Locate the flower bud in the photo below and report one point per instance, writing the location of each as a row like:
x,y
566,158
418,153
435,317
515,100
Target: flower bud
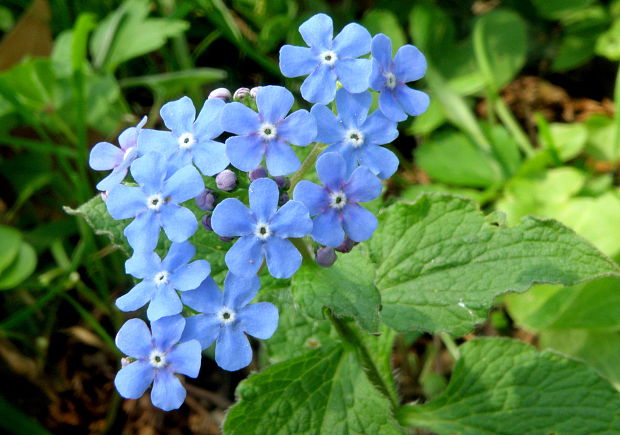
x,y
283,199
206,222
206,200
325,256
254,91
259,172
226,239
282,182
241,93
346,246
221,93
226,180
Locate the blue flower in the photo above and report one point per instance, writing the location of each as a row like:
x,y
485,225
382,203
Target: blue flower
x,y
105,156
190,139
267,132
227,318
161,280
355,136
336,204
328,60
154,203
157,358
389,77
263,231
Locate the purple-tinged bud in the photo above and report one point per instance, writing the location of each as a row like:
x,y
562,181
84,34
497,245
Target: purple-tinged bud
x,y
346,246
282,182
226,239
221,93
259,172
206,222
226,180
283,199
325,256
241,94
206,200
254,91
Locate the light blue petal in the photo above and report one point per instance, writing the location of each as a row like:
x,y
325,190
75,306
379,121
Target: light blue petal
x,y
381,161
231,218
412,101
409,64
274,102
133,380
134,339
129,137
353,108
263,194
283,259
390,107
381,49
314,197
232,349
179,115
352,41
167,392
332,170
259,320
184,184
239,290
377,80
299,128
245,257
143,264
281,159
178,222
363,185
105,156
318,31
291,220
320,85
178,255
297,61
167,331
190,276
245,152
157,141
239,119
150,171
359,223
208,125
207,298
202,328
327,229
347,152
165,303
210,157
378,129
124,202
185,358
143,232
354,74
137,297
329,129
113,179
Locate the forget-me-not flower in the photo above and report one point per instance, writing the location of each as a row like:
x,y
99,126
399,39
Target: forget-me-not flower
x,y
162,279
190,138
154,204
267,133
336,204
263,230
356,136
327,60
226,318
105,156
157,358
389,77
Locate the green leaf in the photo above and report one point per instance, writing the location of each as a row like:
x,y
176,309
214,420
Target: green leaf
x,y
601,135
321,392
441,262
567,139
14,421
384,21
554,9
21,268
347,288
170,84
11,243
505,386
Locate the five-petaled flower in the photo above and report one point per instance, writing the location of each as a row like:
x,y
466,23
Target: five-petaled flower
x,y
226,318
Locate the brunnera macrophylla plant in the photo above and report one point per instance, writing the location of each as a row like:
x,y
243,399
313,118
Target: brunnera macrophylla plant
x,y
435,264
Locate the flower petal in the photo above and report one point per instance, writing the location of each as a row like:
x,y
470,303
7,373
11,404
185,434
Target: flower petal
x,y
232,349
203,328
283,259
358,222
363,185
231,218
378,129
281,159
143,232
332,170
352,41
377,80
178,222
318,31
409,64
210,157
134,339
206,298
390,107
353,108
239,290
208,125
113,179
297,61
137,297
239,119
132,380
185,358
329,128
189,276
105,156
381,49
320,85
299,128
381,161
184,184
167,392
167,331
412,101
143,264
245,152
245,257
178,255
263,195
273,103
291,220
124,201
313,196
150,171
157,141
179,115
354,74
327,229
259,320
165,303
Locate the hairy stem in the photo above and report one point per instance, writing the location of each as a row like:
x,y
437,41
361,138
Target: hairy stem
x,y
297,176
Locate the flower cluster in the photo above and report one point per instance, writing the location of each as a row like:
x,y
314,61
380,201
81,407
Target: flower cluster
x,y
188,161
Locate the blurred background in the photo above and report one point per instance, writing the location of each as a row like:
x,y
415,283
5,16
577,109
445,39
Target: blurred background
x,y
522,120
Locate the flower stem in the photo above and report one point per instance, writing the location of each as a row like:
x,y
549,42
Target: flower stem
x,y
310,159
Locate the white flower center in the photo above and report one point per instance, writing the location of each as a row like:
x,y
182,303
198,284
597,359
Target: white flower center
x,y
355,138
161,278
390,80
337,200
157,359
329,58
186,140
129,153
262,231
154,202
226,315
268,131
